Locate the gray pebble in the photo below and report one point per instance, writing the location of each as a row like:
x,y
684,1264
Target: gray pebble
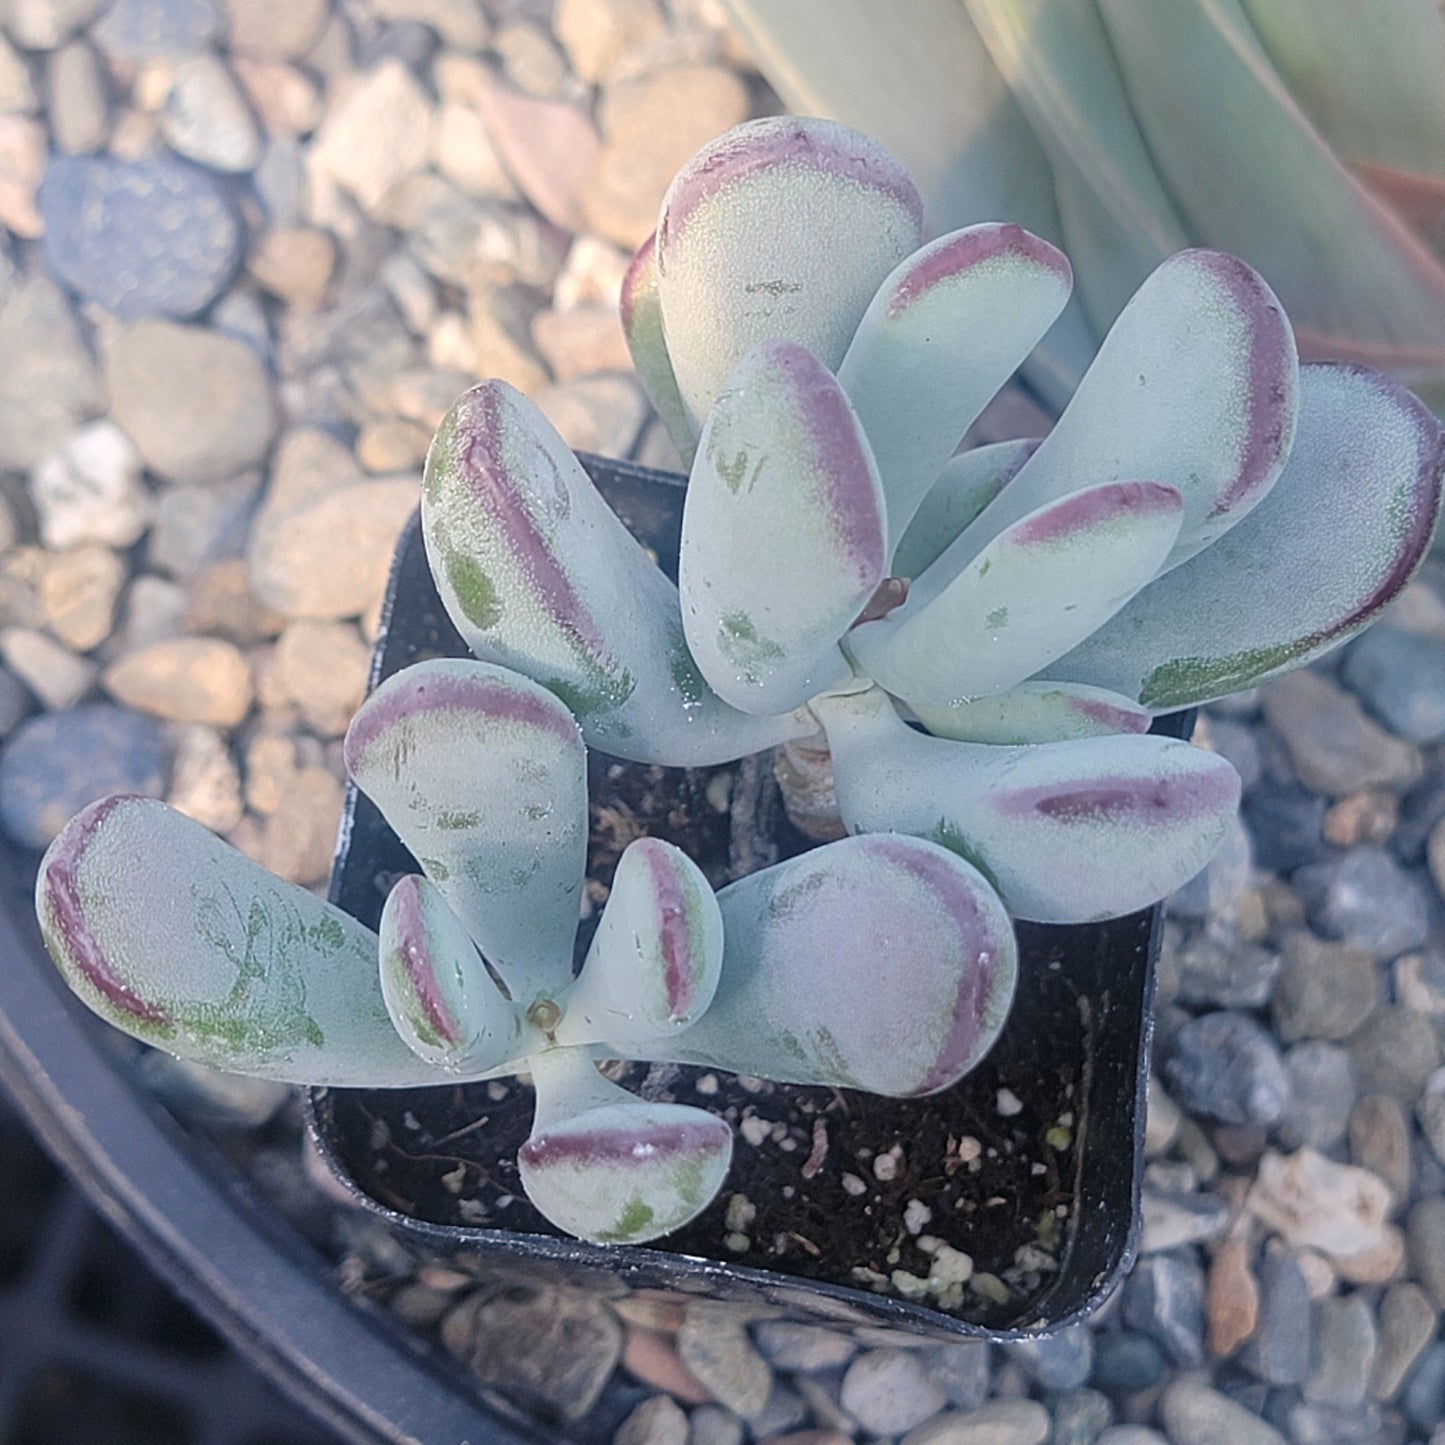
x,y
157,29
1325,990
716,1348
1218,974
197,526
1365,897
1171,1218
1001,1422
1216,890
1311,1424
1345,1344
1286,824
1196,1415
1422,807
961,1371
152,237
1060,1361
1234,739
1080,1417
1226,1067
786,1410
1164,1299
790,1346
78,103
15,702
1423,1398
1279,1353
1407,1325
56,764
1401,677
1431,1112
1395,1053
656,1421
888,1392
1131,1435
1126,1363
1426,1238
713,1425
1321,1095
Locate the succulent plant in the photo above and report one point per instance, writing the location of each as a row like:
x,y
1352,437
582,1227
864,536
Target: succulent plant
x,y
1205,515
1307,136
884,964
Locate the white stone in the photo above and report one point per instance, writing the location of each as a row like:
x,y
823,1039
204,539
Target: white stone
x,y
90,490
206,119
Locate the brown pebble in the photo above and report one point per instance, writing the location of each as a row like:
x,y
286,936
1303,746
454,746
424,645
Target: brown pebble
x,y
1367,816
649,1357
1380,1141
1240,1144
1231,1299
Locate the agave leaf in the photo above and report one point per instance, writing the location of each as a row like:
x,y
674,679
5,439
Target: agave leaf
x,y
1037,712
782,533
919,79
1195,386
781,229
1368,76
964,487
482,774
539,575
655,959
1199,80
884,964
946,330
442,1000
177,939
1036,590
1068,832
642,325
1117,218
1347,523
605,1166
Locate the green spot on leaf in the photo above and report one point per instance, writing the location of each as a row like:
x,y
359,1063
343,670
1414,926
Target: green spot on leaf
x,y
947,834
745,647
631,1222
997,618
1186,680
476,595
451,822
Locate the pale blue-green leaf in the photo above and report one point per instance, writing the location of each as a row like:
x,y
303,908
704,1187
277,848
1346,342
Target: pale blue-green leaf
x,y
654,961
1068,832
1196,386
642,325
780,229
965,486
1118,221
538,574
179,940
444,1003
1346,524
782,533
1252,175
1035,591
1037,712
605,1166
920,80
483,775
884,964
946,330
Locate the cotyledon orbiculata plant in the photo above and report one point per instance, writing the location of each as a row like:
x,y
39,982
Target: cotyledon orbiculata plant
x,y
1205,515
877,963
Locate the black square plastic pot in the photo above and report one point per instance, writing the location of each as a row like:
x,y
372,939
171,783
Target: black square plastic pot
x,y
1063,1090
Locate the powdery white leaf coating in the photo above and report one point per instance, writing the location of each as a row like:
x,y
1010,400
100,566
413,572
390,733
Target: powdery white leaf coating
x,y
1335,541
1196,385
883,963
947,328
483,775
781,228
967,483
1038,712
782,533
972,628
642,325
540,575
1068,832
177,939
442,1000
606,1166
654,961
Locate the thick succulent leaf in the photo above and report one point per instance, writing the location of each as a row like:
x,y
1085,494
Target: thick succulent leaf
x,y
1117,218
1356,281
967,483
884,964
1068,832
538,574
443,1002
1038,712
919,79
1195,386
642,325
1368,76
1034,592
946,330
483,775
1346,524
781,228
782,533
655,959
606,1166
179,940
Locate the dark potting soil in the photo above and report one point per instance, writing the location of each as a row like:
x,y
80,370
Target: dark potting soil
x,y
826,1184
